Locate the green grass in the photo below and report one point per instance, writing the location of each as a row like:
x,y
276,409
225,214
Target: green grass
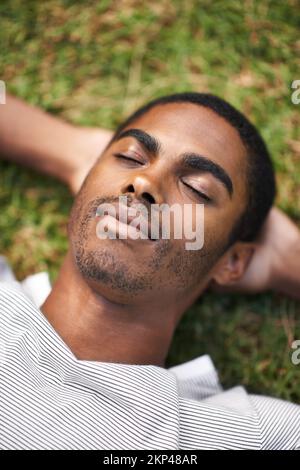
x,y
93,63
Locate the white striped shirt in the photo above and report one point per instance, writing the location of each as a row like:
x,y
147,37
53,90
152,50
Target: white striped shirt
x,y
51,400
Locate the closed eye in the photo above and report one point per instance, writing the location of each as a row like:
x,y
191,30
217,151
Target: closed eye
x,y
125,157
198,193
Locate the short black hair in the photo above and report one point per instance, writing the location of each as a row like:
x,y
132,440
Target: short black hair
x,y
260,173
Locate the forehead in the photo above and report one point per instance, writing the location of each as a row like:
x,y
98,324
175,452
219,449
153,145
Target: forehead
x,y
187,127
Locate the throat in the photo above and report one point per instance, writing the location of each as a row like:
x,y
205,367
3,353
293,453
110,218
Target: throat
x,y
95,329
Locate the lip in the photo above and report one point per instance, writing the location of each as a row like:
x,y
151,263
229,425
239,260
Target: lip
x,y
121,212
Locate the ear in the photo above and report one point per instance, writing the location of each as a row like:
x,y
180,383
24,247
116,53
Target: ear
x,y
233,264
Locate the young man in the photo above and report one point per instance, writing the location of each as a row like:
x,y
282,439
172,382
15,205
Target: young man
x,y
87,369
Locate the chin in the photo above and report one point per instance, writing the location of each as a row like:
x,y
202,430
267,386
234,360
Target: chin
x,y
108,273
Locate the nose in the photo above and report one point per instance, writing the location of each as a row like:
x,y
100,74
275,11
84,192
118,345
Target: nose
x,y
143,188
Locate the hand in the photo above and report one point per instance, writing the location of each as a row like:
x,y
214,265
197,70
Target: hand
x,y
275,263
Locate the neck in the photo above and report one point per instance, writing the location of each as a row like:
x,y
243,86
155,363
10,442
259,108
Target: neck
x,y
97,329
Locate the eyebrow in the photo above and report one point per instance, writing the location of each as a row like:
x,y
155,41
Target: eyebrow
x,y
148,141
190,160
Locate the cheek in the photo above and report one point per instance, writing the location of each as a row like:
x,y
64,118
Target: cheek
x,y
187,269
99,186
218,225
76,211
102,179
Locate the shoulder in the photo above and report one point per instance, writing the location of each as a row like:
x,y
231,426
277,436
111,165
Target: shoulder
x,y
279,422
235,419
225,420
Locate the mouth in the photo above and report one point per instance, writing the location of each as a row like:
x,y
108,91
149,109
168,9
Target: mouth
x,y
121,224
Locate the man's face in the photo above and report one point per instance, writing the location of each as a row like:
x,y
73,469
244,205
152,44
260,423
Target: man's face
x,y
172,172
